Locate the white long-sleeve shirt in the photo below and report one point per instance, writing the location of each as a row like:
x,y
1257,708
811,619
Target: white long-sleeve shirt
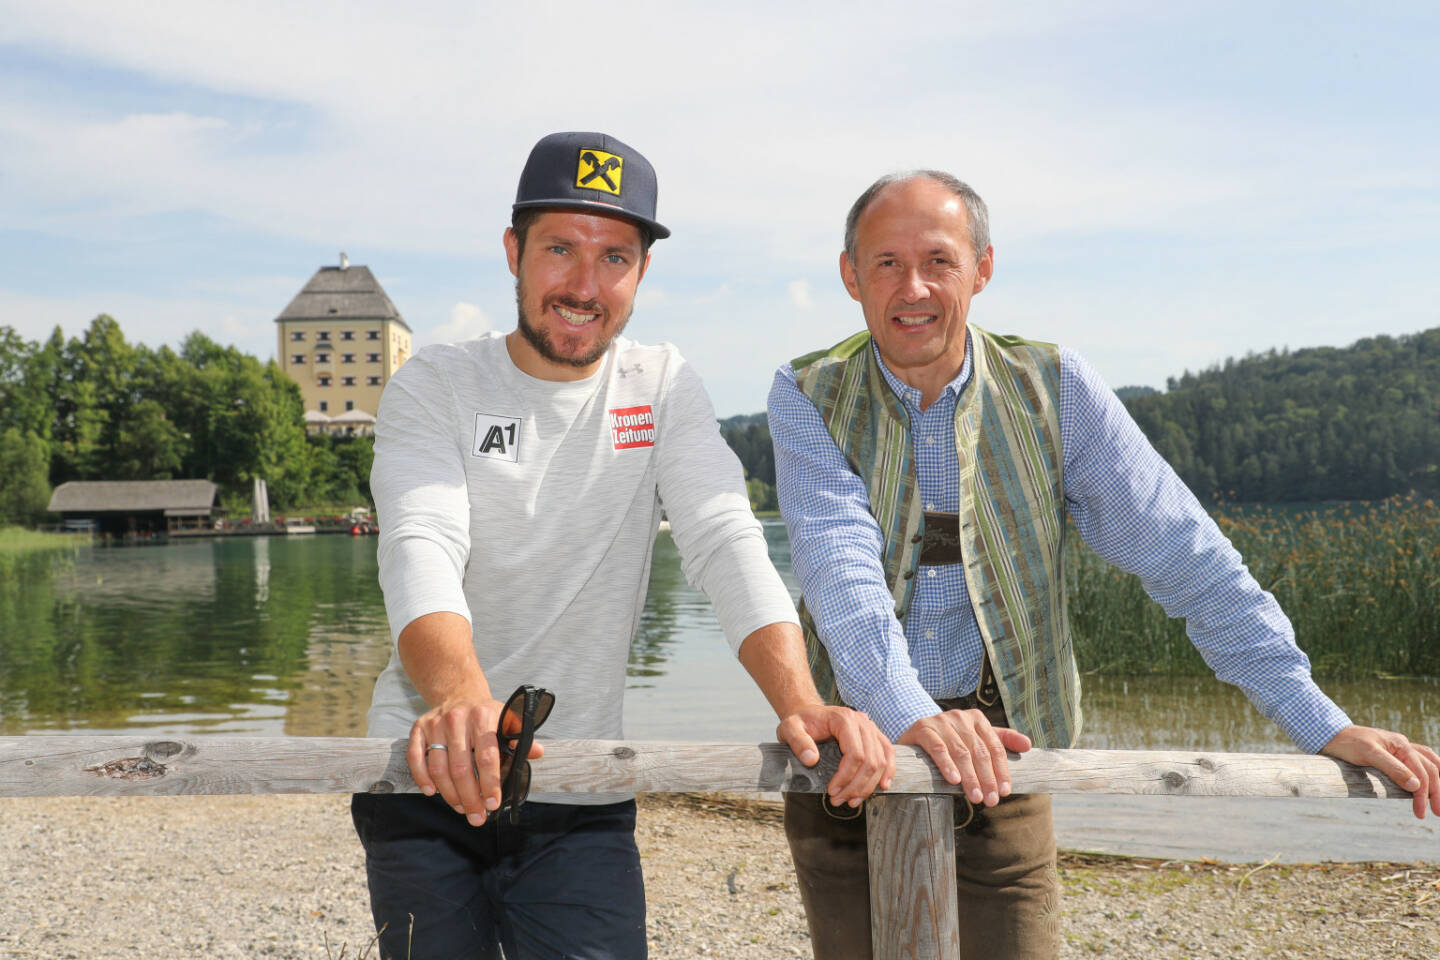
x,y
529,507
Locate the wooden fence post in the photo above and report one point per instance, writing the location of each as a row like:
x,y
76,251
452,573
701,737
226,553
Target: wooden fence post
x,y
913,913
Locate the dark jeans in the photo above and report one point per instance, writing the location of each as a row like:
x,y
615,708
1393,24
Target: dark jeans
x,y
1008,887
564,882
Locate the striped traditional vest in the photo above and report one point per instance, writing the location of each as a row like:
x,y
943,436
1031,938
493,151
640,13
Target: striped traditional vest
x,y
1012,521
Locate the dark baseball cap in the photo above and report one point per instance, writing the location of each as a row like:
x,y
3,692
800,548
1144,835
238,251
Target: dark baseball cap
x,y
592,172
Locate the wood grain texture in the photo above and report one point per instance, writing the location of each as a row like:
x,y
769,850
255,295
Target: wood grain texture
x,y
137,766
911,842
175,766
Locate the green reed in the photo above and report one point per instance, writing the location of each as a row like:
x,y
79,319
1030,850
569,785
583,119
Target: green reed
x,y
1360,582
20,547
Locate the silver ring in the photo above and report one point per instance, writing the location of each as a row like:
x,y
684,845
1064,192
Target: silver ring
x,y
437,746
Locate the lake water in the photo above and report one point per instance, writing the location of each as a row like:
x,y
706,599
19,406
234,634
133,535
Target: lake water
x,y
285,635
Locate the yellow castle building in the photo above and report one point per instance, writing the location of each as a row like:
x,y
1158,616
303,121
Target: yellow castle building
x,y
342,339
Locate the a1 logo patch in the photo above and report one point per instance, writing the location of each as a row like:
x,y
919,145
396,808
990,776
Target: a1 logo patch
x,y
632,427
496,438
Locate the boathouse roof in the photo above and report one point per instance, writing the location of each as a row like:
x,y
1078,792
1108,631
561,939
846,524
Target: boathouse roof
x,y
342,293
173,497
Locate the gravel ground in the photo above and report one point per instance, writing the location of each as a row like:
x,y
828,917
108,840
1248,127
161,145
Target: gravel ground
x,y
251,877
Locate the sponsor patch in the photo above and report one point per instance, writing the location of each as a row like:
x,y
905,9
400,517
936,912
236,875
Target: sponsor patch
x,y
598,170
496,437
632,427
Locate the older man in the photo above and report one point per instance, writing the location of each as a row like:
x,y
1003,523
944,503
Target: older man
x,y
519,480
925,470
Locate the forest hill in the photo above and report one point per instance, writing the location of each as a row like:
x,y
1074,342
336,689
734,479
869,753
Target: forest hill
x,y
1326,423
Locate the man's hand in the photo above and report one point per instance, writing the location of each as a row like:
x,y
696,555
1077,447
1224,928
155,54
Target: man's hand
x,y
774,656
1413,766
868,757
467,771
969,751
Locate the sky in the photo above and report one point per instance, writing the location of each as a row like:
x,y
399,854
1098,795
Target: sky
x,y
1170,184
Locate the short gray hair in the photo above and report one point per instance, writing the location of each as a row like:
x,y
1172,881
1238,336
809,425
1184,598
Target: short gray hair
x,y
976,213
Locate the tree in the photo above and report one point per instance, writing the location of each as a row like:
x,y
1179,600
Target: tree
x,y
148,446
762,495
242,419
357,455
25,467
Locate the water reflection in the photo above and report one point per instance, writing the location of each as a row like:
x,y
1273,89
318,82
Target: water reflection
x,y
262,570
669,604
684,682
194,636
286,636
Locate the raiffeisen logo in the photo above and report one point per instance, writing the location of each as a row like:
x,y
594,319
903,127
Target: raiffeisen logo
x,y
632,427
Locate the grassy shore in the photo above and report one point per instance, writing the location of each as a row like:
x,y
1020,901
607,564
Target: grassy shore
x,y
18,540
24,548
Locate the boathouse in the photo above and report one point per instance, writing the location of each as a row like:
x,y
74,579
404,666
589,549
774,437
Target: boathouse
x,y
118,507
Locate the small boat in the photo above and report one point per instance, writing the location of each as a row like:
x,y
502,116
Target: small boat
x,y
298,525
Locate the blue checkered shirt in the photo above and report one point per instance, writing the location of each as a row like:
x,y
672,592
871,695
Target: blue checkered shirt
x,y
1127,504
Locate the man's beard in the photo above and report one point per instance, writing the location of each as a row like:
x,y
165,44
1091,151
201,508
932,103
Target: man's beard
x,y
540,339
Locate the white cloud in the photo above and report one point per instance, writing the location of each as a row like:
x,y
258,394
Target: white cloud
x,y
719,294
465,322
648,296
234,328
420,143
800,294
1110,139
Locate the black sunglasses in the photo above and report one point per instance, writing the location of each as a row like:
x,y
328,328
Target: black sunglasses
x,y
530,706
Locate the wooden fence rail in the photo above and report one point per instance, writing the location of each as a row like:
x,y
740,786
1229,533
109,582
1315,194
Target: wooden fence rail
x,y
137,766
911,841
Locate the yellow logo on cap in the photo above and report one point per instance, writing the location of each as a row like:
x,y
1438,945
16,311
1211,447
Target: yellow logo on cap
x,y
598,170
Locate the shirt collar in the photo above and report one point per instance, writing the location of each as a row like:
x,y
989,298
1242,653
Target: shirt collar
x,y
911,395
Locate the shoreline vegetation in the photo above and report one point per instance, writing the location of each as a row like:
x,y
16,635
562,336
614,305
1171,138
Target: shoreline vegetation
x,y
283,877
29,549
18,540
1357,580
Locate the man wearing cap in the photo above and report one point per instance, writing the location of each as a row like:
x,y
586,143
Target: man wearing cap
x,y
519,481
925,469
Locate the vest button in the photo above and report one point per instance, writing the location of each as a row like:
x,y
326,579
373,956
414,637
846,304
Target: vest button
x,y
917,538
909,574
